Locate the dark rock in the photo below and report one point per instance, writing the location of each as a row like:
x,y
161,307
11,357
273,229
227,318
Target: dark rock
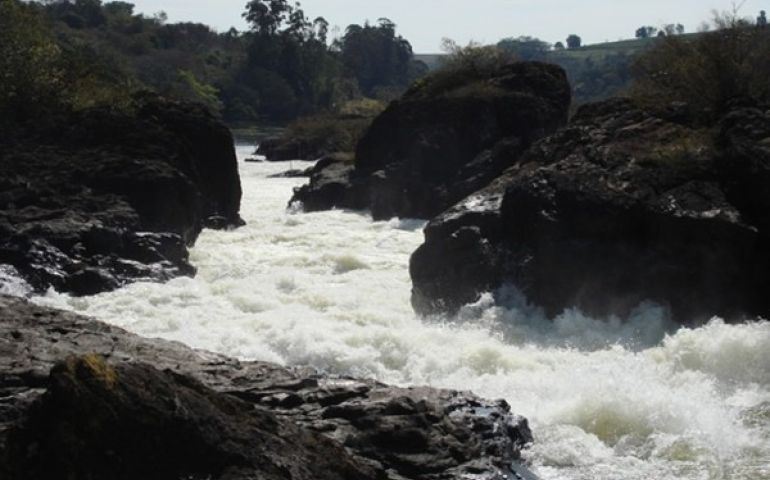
x,y
620,207
286,148
202,415
90,281
102,191
132,421
331,187
428,150
294,173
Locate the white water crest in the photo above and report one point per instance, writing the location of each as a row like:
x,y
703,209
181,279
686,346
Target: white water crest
x,y
607,399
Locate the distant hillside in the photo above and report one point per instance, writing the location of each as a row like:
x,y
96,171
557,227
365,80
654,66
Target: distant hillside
x,y
601,70
595,71
432,60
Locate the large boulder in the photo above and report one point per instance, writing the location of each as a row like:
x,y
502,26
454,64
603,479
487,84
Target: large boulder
x,y
429,149
132,421
99,198
80,401
623,206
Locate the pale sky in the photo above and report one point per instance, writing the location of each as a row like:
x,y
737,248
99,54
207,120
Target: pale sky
x,y
425,22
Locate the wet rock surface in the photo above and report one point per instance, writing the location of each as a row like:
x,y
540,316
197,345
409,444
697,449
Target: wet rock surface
x,y
83,398
282,149
429,149
101,198
622,206
294,173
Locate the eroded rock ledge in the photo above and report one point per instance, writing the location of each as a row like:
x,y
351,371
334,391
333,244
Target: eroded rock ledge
x,y
623,205
79,397
92,200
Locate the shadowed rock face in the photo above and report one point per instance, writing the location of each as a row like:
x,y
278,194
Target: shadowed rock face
x,y
422,154
101,198
107,414
132,421
620,207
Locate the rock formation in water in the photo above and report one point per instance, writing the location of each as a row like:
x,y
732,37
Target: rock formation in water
x,y
81,399
99,198
430,148
310,138
282,149
622,206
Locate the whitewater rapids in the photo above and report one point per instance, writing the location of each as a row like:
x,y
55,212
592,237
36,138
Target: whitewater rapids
x,y
606,399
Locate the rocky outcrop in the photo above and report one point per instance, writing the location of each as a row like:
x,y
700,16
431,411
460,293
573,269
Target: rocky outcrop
x,y
282,149
437,143
330,186
100,198
80,400
622,206
310,138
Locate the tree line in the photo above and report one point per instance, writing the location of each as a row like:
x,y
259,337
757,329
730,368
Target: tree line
x,y
285,65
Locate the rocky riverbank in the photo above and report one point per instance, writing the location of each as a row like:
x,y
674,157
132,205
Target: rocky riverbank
x,y
624,205
428,149
81,399
92,200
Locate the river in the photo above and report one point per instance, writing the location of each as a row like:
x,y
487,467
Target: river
x,y
607,399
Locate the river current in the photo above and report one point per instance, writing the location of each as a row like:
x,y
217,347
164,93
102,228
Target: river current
x,y
606,399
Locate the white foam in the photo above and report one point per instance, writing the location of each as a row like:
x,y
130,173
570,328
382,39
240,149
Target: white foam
x,y
608,399
12,284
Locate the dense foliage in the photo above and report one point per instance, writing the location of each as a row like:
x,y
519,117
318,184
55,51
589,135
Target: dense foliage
x,y
525,48
85,52
381,61
39,73
709,71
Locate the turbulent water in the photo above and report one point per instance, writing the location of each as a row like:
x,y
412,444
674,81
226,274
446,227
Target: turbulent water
x,y
606,399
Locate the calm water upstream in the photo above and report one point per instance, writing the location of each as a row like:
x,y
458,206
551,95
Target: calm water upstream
x,y
606,399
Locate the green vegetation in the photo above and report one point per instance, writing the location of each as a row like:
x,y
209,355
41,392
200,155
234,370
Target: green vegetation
x,y
684,150
39,74
525,48
599,71
710,71
574,41
381,61
464,67
81,53
340,131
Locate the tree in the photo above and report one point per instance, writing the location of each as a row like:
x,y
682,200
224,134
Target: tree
x,y
646,32
558,46
321,29
117,9
762,19
679,29
708,72
473,57
574,41
376,56
267,16
525,48
30,61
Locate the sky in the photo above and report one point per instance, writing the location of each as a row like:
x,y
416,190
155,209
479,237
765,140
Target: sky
x,y
425,22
